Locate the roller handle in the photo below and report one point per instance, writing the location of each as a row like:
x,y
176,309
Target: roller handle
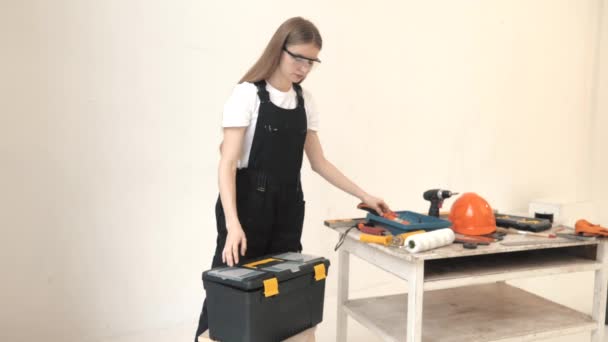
x,y
383,240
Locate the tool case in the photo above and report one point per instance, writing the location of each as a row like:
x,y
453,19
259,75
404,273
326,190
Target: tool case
x,y
266,300
416,222
522,223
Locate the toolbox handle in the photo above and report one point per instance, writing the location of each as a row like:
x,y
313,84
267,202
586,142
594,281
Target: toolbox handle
x,y
260,262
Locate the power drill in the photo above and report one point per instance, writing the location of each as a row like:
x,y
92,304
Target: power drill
x,y
436,196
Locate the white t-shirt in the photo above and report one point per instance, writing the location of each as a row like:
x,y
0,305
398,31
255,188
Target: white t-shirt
x,y
243,105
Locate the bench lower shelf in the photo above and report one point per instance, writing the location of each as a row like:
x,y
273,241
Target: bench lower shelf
x,y
490,312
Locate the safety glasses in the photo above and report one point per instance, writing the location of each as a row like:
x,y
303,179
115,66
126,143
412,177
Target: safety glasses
x,y
302,60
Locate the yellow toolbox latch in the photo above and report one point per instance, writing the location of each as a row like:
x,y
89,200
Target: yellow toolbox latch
x,y
271,287
320,272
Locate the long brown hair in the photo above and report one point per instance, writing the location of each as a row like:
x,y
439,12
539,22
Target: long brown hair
x,y
293,31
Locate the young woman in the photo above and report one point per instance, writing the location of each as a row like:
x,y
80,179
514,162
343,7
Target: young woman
x,y
269,121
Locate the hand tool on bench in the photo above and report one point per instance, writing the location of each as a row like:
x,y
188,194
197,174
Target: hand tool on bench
x,y
344,223
533,242
524,232
389,240
568,233
371,228
389,215
365,228
576,236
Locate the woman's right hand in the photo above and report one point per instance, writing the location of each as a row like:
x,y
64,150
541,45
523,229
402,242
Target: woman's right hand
x,y
235,241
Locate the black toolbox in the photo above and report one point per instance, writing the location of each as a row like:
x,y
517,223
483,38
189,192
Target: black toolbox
x,y
266,300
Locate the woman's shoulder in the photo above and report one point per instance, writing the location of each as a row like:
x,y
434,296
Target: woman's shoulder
x,y
244,92
245,88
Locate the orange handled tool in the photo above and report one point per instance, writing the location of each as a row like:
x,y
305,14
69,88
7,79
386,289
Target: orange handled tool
x,y
389,215
369,228
388,240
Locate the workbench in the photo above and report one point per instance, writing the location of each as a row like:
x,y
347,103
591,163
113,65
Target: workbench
x,y
455,294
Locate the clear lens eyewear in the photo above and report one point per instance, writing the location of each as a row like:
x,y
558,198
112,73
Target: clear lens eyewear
x,y
301,60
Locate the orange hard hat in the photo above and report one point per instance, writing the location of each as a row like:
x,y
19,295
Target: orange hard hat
x,y
472,215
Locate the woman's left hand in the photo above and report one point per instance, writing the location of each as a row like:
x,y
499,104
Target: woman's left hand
x,y
377,203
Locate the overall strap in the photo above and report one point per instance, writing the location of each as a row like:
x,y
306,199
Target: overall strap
x,y
298,90
262,92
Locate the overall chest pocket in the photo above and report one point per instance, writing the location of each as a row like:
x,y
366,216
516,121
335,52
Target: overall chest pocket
x,y
286,135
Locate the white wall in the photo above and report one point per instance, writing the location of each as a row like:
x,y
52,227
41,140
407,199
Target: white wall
x,y
110,129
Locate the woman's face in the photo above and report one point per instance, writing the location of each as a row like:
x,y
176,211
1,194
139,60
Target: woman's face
x,y
297,61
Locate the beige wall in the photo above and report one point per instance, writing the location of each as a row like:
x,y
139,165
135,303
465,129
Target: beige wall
x,y
110,129
600,125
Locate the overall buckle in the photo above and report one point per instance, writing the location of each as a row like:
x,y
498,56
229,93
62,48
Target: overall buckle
x,y
261,179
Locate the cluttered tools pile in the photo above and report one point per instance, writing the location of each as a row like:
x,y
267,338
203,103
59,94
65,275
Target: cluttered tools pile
x,y
471,222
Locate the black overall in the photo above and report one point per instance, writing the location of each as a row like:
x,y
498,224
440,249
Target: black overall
x,y
269,198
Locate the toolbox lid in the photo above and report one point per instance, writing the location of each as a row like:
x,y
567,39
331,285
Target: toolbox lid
x,y
251,276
